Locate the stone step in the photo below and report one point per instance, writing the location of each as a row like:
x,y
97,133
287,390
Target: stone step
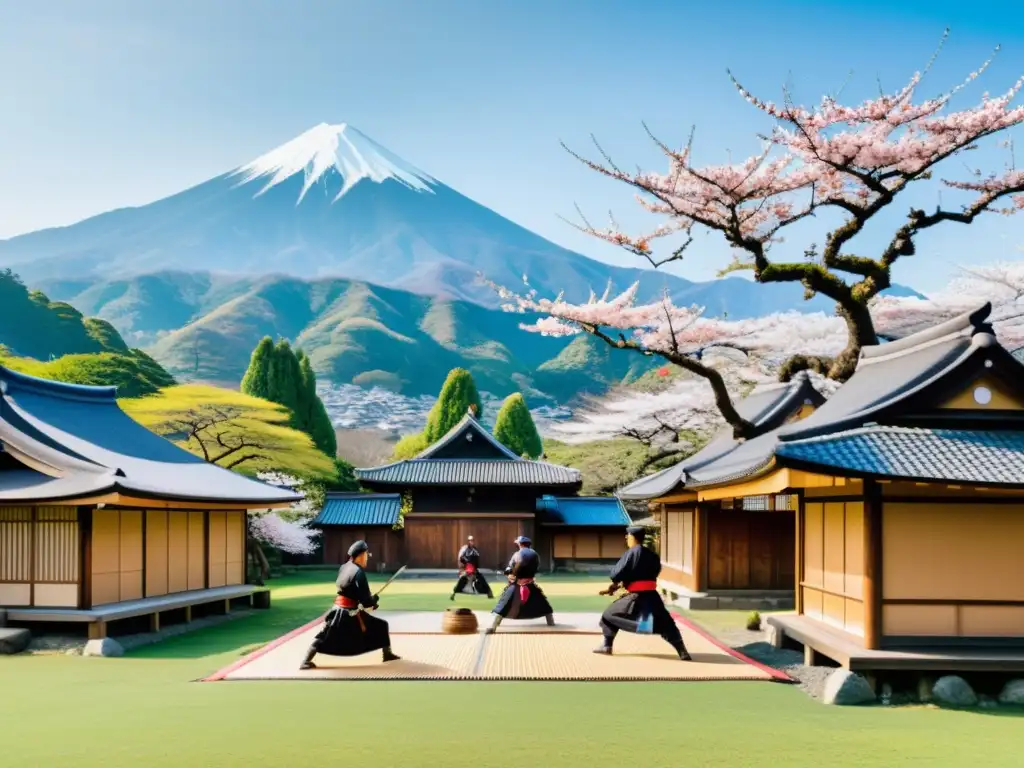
x,y
14,640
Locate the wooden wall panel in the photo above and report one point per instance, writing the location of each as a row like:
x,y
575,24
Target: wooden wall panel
x,y
612,545
835,548
814,552
563,545
991,620
854,620
16,551
177,552
106,557
813,603
833,611
686,520
235,555
588,546
156,552
217,539
854,555
920,620
130,548
196,550
953,551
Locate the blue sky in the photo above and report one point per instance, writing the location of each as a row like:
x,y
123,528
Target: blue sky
x,y
112,103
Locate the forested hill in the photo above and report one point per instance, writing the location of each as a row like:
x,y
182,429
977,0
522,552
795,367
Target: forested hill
x,y
33,326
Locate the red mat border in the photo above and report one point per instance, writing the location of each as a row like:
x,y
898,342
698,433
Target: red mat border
x,y
222,673
775,674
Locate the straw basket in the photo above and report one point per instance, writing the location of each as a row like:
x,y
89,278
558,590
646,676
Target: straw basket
x,y
459,621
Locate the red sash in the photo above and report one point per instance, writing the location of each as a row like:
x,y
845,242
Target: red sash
x,y
345,602
642,586
470,568
524,589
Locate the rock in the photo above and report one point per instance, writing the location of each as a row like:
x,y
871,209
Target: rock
x,y
1013,692
108,646
924,689
987,702
886,696
14,640
954,691
843,687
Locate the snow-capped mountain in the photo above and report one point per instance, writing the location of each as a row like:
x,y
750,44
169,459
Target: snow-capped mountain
x,y
334,203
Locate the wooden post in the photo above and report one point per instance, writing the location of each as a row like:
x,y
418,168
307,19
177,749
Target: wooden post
x,y
84,558
97,630
872,565
798,596
227,605
699,515
188,614
154,621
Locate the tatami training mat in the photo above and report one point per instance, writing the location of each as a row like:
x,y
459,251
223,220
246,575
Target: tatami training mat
x,y
636,657
504,656
424,657
430,621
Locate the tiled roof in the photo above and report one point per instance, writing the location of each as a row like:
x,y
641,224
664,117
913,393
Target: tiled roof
x,y
94,447
360,509
969,456
470,472
582,510
766,408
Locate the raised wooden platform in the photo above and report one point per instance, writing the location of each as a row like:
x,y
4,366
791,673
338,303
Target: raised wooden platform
x,y
846,650
100,616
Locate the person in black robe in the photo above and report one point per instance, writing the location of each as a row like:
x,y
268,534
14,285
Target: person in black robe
x,y
469,571
637,571
349,630
522,598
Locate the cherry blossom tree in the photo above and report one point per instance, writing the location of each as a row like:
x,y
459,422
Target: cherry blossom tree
x,y
726,359
711,349
292,536
852,160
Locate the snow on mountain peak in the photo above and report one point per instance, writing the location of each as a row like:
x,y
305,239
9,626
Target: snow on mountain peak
x,y
352,154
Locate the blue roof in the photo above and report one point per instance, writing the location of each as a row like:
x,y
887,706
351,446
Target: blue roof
x,y
360,509
582,511
950,455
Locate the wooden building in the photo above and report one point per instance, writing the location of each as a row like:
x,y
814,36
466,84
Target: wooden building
x,y
716,554
468,483
909,490
101,520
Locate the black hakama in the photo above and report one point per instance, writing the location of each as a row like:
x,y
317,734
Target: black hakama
x,y
474,584
344,634
522,598
510,603
626,612
346,631
639,567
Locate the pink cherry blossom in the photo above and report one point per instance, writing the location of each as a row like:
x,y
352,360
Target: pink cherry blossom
x,y
292,537
856,159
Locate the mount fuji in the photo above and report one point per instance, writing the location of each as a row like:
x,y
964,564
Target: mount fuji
x,y
334,203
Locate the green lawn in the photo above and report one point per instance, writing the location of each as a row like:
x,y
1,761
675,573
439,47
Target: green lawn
x,y
143,710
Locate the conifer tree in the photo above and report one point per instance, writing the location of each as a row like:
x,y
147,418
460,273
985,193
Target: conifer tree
x,y
458,393
514,428
256,381
311,413
285,378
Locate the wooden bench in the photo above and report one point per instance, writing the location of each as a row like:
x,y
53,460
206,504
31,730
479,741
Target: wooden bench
x,y
100,616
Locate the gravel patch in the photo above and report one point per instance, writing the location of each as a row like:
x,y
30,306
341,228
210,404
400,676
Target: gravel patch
x,y
810,679
72,646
